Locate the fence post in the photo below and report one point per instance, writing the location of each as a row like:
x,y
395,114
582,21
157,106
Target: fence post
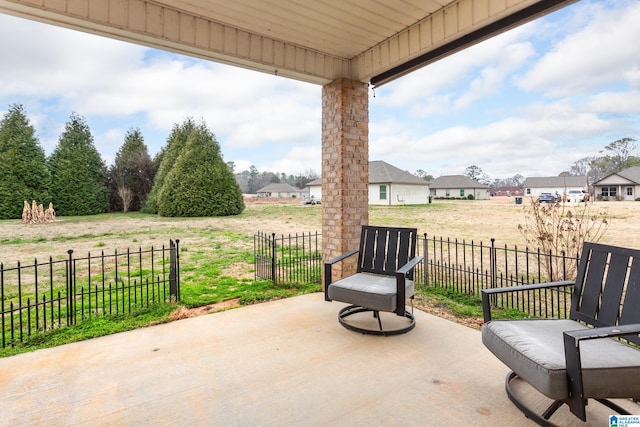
x,y
70,296
274,252
174,277
492,263
425,262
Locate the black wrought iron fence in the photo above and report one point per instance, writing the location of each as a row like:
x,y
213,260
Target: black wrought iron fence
x,y
288,258
463,266
46,295
469,267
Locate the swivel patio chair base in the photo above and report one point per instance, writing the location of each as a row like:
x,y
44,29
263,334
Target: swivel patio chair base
x,y
543,419
355,309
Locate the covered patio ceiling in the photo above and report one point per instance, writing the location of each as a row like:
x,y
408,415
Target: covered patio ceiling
x,y
318,41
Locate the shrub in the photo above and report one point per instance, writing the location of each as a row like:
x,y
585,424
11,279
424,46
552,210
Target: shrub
x,y
166,159
557,228
78,174
24,175
200,183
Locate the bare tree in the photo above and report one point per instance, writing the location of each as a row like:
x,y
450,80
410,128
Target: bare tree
x,y
126,197
561,229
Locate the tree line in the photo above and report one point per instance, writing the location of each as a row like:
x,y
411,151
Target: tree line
x,y
188,177
250,181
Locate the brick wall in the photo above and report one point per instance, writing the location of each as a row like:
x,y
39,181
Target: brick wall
x,y
345,168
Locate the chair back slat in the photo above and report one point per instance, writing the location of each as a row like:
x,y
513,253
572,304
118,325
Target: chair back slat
x,y
391,263
613,289
592,284
383,250
367,249
631,305
607,291
407,248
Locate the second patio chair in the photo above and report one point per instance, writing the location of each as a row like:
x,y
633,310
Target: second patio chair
x,y
383,279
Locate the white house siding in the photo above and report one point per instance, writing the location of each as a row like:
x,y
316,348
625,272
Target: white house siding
x,y
399,194
315,192
478,193
535,192
625,189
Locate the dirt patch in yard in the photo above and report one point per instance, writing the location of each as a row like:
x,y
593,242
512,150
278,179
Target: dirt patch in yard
x,y
436,308
184,312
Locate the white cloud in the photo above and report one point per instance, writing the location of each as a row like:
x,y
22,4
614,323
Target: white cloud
x,y
456,81
618,103
297,161
542,140
601,53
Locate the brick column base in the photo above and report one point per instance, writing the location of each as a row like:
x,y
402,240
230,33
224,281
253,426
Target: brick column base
x,y
345,168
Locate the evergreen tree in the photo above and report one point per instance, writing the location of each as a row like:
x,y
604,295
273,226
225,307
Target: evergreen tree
x,y
78,172
166,159
131,176
23,168
200,183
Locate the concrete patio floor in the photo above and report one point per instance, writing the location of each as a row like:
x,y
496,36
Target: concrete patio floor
x,y
280,363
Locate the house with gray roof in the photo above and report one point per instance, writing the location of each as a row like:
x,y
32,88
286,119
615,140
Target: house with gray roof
x,y
560,185
623,185
280,190
388,185
458,186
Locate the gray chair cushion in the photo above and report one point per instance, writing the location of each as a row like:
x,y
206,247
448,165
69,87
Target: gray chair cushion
x,y
372,291
534,350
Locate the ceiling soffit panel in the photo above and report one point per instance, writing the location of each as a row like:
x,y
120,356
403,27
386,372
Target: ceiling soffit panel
x,y
316,40
462,24
159,26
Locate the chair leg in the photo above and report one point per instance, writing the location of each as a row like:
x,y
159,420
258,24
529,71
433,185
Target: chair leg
x,y
542,421
354,309
376,314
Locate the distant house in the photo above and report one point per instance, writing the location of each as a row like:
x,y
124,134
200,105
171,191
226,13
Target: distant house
x,y
560,185
458,186
624,185
315,189
280,191
388,185
507,190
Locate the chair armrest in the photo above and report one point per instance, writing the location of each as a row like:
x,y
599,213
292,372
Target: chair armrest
x,y
486,293
409,265
401,278
573,361
341,257
327,270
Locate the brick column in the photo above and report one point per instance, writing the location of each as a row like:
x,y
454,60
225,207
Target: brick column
x,y
345,168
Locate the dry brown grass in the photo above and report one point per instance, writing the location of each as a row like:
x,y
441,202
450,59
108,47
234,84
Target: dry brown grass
x,y
478,220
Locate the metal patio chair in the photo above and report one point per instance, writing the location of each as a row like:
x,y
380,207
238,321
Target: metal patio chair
x,y
383,280
573,360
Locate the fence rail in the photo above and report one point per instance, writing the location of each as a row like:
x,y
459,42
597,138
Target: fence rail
x,y
57,293
469,267
462,266
288,258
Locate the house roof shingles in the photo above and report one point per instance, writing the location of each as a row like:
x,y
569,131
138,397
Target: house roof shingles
x,y
279,188
381,172
455,181
555,181
632,174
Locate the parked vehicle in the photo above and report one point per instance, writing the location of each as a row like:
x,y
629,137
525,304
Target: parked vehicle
x,y
577,195
547,198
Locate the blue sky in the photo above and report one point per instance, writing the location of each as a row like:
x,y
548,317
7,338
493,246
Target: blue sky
x,y
531,101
